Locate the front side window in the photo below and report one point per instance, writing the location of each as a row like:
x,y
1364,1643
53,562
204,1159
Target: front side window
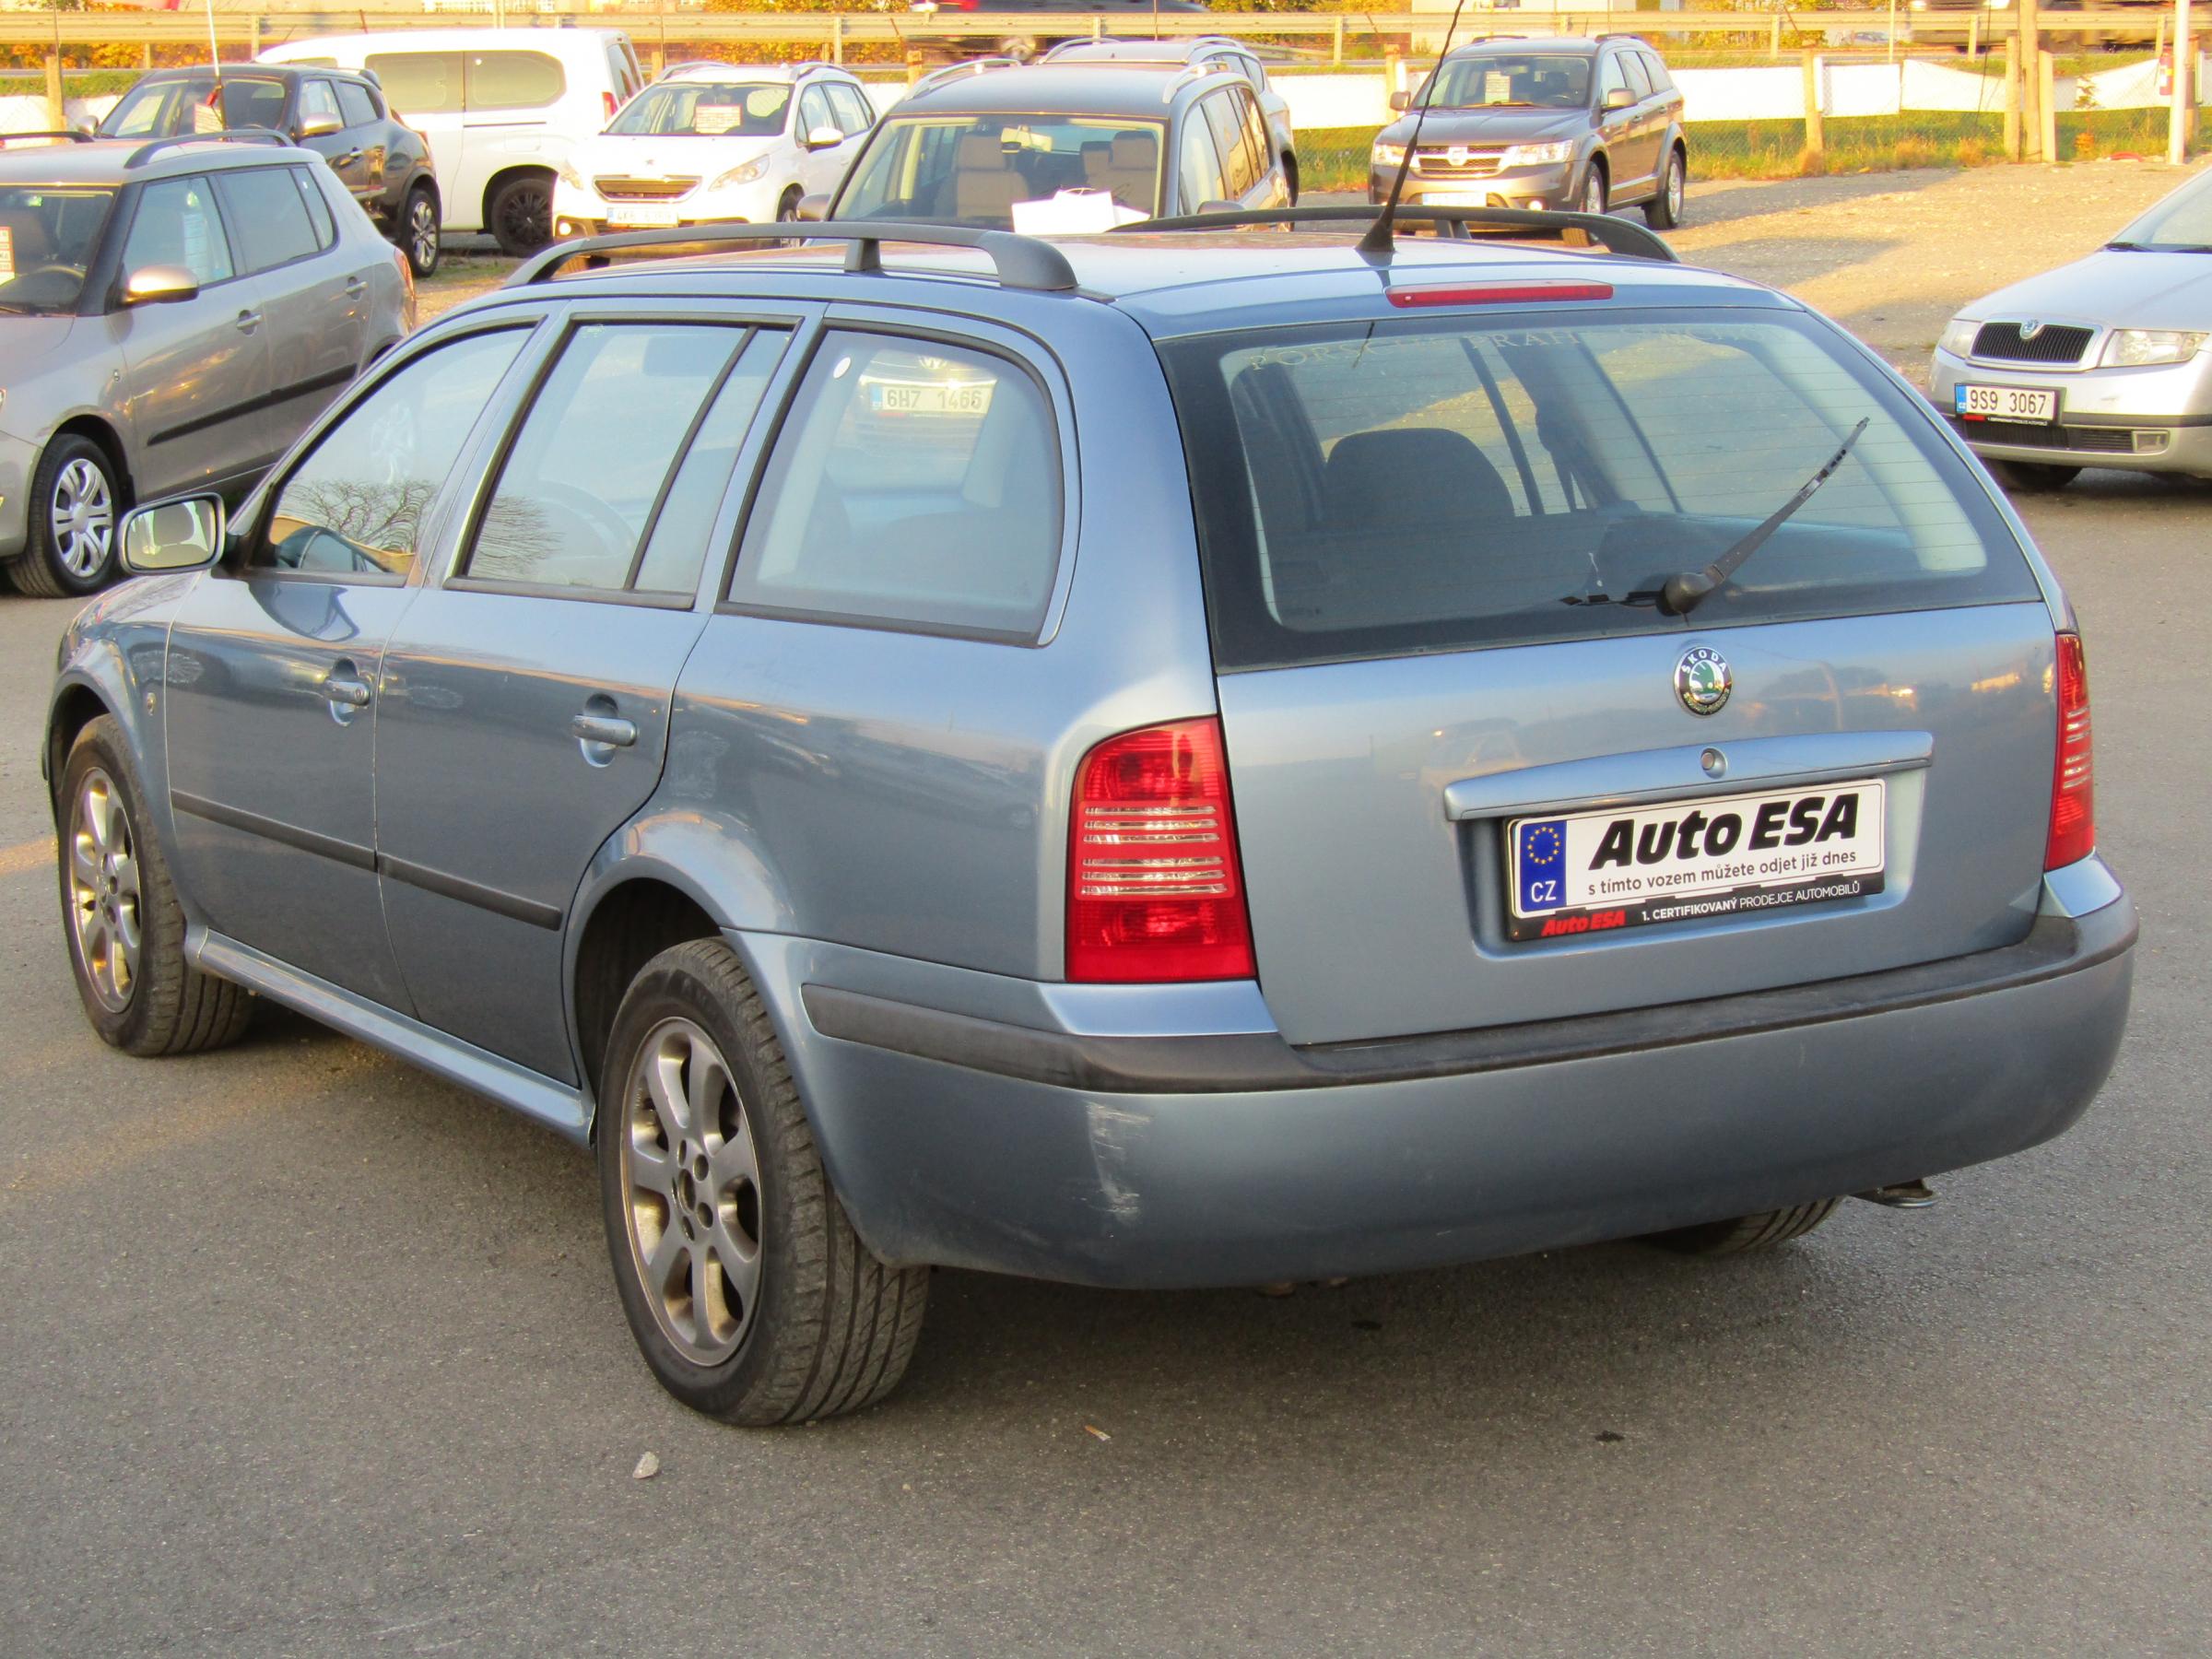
x,y
418,83
354,508
973,170
913,484
813,112
176,224
319,98
1375,489
708,109
577,491
512,80
263,205
1538,80
1198,165
47,235
1611,78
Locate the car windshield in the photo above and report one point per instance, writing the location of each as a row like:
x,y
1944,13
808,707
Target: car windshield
x,y
1545,80
163,109
1387,488
973,170
47,235
2181,222
707,110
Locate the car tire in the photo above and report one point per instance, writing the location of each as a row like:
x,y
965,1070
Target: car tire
x,y
705,1154
1663,211
2032,476
1594,198
1762,1231
1290,176
420,237
520,213
74,509
120,914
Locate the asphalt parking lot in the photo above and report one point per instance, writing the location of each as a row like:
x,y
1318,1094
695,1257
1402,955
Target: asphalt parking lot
x,y
302,1352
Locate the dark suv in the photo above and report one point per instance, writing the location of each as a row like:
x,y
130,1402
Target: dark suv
x,y
342,117
1515,122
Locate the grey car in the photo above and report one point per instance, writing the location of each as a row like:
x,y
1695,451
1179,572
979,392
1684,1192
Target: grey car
x,y
1155,760
171,315
1591,124
2099,363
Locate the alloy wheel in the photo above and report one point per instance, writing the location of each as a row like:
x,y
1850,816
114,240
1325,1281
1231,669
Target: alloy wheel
x,y
82,515
1594,193
691,1179
104,891
1673,189
422,232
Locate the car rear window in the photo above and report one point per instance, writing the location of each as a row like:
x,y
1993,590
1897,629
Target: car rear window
x,y
1434,484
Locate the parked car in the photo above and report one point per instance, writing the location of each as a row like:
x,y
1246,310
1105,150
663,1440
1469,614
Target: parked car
x,y
1019,41
1057,147
1512,122
1155,760
1212,51
715,143
171,315
2100,362
385,164
502,109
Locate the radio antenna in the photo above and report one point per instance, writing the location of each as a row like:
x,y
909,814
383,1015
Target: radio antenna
x,y
1378,242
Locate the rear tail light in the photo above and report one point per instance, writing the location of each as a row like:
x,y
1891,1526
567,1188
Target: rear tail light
x,y
2073,780
1154,891
406,286
614,104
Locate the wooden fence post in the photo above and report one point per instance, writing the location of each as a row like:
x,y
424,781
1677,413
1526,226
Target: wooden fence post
x,y
2027,24
2013,151
1336,48
2046,65
1774,44
836,37
57,106
1815,129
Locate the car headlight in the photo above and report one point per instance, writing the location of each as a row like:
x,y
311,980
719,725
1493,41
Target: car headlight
x,y
1537,155
1959,337
1390,155
752,172
2132,347
570,176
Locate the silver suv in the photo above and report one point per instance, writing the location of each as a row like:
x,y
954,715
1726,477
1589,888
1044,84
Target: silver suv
x,y
171,315
1154,760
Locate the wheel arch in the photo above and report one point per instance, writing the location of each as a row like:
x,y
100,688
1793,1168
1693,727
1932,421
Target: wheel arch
x,y
630,923
506,175
99,431
76,706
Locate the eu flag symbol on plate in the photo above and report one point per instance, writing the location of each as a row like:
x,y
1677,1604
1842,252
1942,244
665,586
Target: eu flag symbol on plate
x,y
1541,867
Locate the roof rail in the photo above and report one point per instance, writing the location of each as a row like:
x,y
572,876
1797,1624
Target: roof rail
x,y
73,136
147,152
1622,34
690,65
1617,235
1190,72
952,71
1022,262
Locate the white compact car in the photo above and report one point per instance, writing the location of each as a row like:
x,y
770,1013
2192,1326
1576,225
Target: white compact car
x,y
716,144
501,108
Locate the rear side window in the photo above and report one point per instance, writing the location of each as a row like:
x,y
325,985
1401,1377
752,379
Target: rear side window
x,y
512,80
356,105
1377,489
318,208
1240,164
268,219
853,112
177,224
913,484
582,484
418,83
1654,66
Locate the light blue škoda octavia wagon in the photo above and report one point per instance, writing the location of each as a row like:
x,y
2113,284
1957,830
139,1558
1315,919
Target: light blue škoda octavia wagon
x,y
1156,759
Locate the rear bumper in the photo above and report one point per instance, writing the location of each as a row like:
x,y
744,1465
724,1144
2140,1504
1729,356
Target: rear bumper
x,y
1207,1159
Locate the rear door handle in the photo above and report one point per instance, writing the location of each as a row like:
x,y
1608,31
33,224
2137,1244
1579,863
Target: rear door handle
x,y
602,728
355,287
348,159
247,321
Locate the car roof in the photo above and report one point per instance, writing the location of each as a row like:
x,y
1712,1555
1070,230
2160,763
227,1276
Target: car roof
x,y
252,71
1567,45
105,161
1172,283
1140,93
1142,51
772,72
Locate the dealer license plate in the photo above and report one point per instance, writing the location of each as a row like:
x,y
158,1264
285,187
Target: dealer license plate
x,y
971,398
632,216
1687,860
1456,198
2005,403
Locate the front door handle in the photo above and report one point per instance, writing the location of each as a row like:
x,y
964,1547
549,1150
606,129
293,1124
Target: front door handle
x,y
247,321
604,729
344,688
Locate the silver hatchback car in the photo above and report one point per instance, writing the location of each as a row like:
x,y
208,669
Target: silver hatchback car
x,y
1151,760
173,312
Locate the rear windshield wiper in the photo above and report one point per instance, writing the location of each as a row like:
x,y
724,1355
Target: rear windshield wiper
x,y
1683,593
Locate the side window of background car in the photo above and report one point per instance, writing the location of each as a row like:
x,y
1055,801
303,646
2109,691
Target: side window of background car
x,y
855,113
354,507
1654,66
355,104
316,97
584,497
177,224
1609,76
914,483
1198,164
317,207
813,112
1251,70
1255,132
1239,166
419,83
1640,82
512,80
267,216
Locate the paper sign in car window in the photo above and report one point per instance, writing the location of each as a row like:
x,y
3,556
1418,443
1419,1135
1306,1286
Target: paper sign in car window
x,y
1496,88
714,118
1073,213
7,253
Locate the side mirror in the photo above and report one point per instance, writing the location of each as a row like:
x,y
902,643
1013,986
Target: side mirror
x,y
825,137
1620,98
814,209
184,533
160,285
319,127
1401,101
